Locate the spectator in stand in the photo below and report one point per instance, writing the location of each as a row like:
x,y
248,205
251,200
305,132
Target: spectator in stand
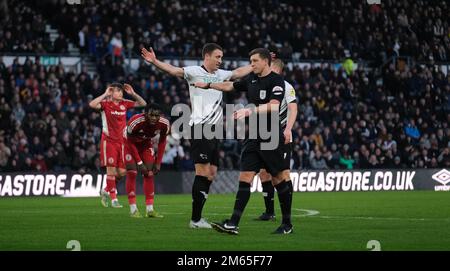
x,y
317,161
322,30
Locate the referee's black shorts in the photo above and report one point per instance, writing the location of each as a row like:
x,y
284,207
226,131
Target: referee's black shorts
x,y
204,151
273,161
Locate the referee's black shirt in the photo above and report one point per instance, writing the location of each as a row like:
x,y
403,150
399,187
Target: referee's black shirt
x,y
260,90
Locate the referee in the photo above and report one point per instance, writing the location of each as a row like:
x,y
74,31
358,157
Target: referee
x,y
265,89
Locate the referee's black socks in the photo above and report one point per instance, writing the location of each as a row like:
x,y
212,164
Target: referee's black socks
x,y
285,190
268,193
200,191
242,197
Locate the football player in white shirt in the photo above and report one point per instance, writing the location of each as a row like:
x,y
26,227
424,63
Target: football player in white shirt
x,y
206,111
288,115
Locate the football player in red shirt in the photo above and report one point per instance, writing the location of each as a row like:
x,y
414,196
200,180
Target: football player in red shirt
x,y
141,133
113,109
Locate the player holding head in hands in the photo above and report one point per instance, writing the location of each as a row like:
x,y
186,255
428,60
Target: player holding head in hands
x,y
113,108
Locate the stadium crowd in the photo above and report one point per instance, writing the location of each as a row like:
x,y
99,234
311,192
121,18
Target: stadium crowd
x,y
303,30
346,119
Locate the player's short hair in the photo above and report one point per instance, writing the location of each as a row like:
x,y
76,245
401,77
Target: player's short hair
x,y
153,106
279,63
117,85
262,52
209,48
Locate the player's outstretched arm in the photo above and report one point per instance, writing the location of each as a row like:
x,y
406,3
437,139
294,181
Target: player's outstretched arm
x,y
223,86
95,103
241,72
272,106
150,57
139,100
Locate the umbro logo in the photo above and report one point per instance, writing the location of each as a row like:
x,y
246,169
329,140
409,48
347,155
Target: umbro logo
x,y
253,81
203,156
442,177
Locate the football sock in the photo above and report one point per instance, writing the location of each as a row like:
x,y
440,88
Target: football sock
x,y
242,197
200,190
285,190
268,194
131,186
149,189
111,186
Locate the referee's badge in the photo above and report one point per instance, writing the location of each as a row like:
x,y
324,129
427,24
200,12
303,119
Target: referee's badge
x,y
262,94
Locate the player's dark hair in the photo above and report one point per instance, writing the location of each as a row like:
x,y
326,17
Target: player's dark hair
x,y
262,52
153,106
209,48
117,85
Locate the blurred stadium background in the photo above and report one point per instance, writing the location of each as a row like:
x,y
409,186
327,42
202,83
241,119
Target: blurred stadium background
x,y
372,81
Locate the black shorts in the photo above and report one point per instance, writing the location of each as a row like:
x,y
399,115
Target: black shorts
x,y
273,161
204,151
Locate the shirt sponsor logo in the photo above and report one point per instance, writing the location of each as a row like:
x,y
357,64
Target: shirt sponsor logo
x,y
118,113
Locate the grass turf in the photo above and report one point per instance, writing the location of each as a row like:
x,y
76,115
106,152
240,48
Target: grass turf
x,y
414,220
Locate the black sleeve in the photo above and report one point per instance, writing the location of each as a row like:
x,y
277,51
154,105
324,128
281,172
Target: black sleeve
x,y
241,85
277,89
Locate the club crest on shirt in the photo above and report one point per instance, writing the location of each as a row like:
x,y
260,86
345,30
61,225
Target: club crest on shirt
x,y
262,94
122,107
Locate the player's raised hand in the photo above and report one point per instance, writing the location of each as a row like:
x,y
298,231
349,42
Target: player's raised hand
x,y
128,89
242,113
200,85
108,91
148,55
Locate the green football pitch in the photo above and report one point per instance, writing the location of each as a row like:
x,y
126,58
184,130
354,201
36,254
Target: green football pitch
x,y
418,220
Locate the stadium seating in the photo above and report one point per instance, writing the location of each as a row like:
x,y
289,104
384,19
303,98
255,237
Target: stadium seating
x,y
396,118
